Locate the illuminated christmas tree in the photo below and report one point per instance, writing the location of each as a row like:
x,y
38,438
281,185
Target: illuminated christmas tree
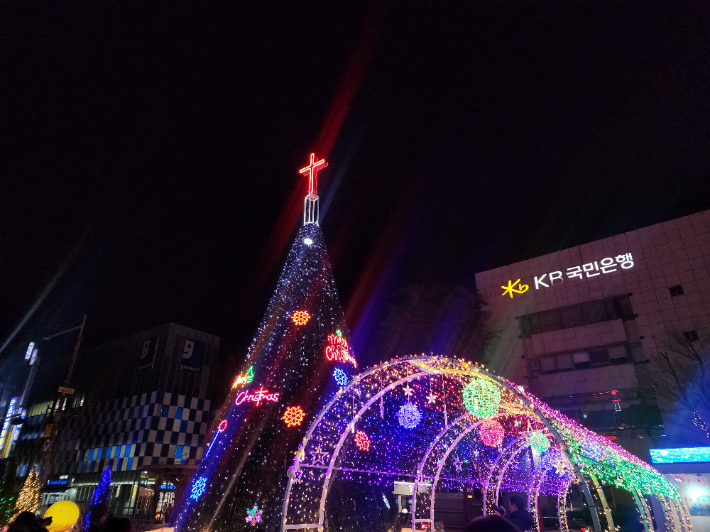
x,y
290,369
28,499
101,495
8,492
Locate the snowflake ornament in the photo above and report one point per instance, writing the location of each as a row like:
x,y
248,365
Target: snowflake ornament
x,y
198,488
340,377
293,416
254,515
362,441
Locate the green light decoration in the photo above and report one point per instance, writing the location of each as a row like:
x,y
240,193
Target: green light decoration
x,y
481,397
538,441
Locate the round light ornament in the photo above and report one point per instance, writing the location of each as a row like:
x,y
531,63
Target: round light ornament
x,y
409,416
64,515
481,397
491,433
538,441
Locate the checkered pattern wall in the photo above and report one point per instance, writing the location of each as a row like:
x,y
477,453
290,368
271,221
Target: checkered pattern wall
x,y
131,433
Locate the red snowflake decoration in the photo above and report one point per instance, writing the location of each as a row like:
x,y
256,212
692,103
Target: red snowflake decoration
x,y
491,433
362,441
300,317
293,416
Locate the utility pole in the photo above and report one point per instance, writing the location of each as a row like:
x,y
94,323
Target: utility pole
x,y
56,413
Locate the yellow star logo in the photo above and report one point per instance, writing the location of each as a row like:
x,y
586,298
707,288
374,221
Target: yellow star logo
x,y
511,288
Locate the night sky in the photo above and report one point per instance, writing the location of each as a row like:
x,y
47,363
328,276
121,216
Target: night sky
x,y
149,150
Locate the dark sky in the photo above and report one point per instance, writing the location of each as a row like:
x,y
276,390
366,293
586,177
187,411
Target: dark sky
x,y
149,150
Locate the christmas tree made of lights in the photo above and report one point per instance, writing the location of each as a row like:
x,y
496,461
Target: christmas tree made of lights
x,y
298,358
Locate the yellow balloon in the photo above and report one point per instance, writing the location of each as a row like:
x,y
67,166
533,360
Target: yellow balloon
x,y
64,515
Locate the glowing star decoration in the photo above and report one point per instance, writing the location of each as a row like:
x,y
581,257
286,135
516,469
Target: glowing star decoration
x,y
198,488
254,515
362,441
481,397
300,317
256,397
409,416
511,289
458,464
293,416
318,456
491,433
407,390
247,378
337,349
538,441
431,398
312,172
222,426
308,241
340,377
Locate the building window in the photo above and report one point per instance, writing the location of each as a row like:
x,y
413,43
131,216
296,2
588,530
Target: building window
x,y
576,315
691,336
676,290
581,361
599,357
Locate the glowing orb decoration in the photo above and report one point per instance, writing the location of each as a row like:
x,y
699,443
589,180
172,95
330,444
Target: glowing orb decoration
x,y
308,241
293,416
300,317
64,515
362,441
538,441
198,488
409,416
491,433
254,515
222,426
481,397
340,377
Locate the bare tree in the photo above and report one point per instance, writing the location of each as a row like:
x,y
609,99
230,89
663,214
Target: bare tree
x,y
445,320
683,375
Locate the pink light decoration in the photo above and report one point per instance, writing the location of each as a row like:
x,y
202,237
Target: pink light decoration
x,y
257,397
491,433
312,172
337,350
222,426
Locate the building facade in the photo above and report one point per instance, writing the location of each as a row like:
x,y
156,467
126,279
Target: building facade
x,y
141,405
587,328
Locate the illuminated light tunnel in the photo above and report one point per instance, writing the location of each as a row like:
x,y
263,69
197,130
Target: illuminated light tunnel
x,y
541,452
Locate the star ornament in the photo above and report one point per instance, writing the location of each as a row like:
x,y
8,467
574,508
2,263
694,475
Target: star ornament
x,y
408,390
431,398
318,456
458,464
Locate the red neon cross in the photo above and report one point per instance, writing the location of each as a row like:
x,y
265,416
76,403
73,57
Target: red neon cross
x,y
312,171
